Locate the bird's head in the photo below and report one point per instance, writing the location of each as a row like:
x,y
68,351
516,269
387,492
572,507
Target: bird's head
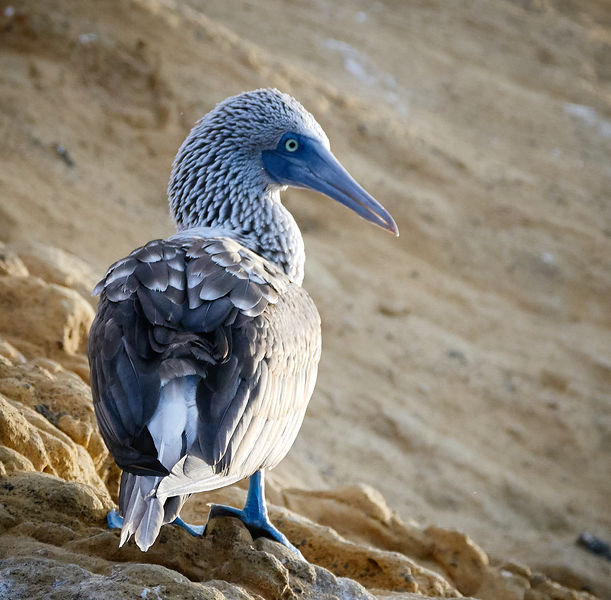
x,y
265,140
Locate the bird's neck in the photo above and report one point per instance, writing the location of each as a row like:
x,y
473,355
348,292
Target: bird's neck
x,y
259,221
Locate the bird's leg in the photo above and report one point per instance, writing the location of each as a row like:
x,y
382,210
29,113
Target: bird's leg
x,y
115,521
194,530
254,514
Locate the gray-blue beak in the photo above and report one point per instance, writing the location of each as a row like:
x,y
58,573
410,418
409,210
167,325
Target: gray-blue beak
x,y
310,165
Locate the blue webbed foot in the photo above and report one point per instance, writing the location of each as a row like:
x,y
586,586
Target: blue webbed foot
x,y
254,514
115,521
258,527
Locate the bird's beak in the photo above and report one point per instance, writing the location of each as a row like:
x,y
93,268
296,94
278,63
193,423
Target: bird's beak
x,y
314,167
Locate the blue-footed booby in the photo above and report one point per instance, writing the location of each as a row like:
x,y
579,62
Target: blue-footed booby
x,y
205,347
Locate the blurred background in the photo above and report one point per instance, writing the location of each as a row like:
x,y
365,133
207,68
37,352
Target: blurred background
x,y
466,367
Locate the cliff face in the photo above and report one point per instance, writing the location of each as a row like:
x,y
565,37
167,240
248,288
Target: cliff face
x,y
465,372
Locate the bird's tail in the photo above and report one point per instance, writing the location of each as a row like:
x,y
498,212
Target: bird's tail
x,y
142,511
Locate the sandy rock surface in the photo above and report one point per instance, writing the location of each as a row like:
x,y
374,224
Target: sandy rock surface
x,y
466,366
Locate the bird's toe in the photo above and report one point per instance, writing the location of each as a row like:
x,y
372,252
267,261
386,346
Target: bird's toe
x,y
194,530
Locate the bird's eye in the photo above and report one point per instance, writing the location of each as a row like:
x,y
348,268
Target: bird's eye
x,y
291,145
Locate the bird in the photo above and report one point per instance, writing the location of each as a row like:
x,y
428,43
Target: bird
x,y
205,347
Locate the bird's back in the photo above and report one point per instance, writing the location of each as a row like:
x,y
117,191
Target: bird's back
x,y
203,359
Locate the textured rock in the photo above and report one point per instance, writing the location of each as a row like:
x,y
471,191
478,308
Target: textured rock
x,y
47,422
370,566
65,523
38,317
360,514
44,446
54,265
58,395
461,558
359,555
11,263
39,575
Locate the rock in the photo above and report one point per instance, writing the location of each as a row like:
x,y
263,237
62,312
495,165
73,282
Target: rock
x,y
42,498
59,395
500,584
371,567
360,514
10,263
462,559
39,575
386,595
54,265
65,523
29,438
10,354
543,588
11,460
43,318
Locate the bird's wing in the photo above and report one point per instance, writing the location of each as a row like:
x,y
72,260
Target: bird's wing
x,y
211,312
252,415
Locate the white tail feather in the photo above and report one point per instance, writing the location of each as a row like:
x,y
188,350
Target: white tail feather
x,y
144,512
150,524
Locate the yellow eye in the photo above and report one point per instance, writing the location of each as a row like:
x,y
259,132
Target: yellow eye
x,y
291,145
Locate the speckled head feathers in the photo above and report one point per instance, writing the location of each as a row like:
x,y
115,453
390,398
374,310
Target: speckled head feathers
x,y
218,179
261,117
220,160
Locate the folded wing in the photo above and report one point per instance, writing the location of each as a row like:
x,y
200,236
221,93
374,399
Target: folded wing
x,y
230,332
